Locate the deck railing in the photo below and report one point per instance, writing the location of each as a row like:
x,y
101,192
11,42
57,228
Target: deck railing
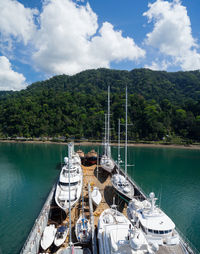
x,y
32,243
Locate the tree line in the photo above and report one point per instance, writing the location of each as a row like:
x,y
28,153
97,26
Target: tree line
x,y
162,105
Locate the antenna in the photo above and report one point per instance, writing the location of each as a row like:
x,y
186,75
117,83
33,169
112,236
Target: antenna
x,y
105,141
70,166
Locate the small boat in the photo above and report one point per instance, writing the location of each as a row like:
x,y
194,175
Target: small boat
x,y
83,230
81,155
91,157
48,236
61,235
107,163
96,196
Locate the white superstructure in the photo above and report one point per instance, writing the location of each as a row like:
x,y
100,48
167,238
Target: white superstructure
x,y
70,181
117,235
158,227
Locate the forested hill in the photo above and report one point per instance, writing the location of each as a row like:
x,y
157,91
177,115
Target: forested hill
x,y
161,105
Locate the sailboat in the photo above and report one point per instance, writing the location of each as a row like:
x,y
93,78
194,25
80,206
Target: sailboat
x,y
71,171
120,181
106,161
83,228
117,235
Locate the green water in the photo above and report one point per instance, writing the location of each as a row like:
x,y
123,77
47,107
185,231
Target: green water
x,y
28,171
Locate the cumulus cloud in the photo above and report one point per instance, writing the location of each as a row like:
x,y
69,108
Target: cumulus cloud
x,y
172,33
158,65
16,21
9,79
69,41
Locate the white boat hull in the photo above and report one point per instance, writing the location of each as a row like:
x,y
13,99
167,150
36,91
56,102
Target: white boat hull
x,y
60,237
96,196
107,164
48,236
62,196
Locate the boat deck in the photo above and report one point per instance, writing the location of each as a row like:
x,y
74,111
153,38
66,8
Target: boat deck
x,y
101,179
176,249
97,177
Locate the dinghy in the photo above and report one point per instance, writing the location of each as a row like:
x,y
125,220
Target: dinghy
x,y
61,235
96,196
48,236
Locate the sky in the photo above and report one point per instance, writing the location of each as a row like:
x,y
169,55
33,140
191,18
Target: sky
x,y
43,38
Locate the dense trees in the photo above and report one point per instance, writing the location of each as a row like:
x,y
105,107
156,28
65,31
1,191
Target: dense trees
x,y
161,105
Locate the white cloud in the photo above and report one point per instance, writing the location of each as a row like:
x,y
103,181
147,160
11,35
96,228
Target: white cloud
x,y
172,33
69,41
158,65
16,21
9,79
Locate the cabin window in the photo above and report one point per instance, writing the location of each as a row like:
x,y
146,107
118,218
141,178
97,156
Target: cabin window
x,y
161,232
156,231
67,184
150,230
168,231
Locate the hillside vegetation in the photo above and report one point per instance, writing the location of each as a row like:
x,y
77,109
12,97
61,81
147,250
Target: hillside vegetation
x,y
161,105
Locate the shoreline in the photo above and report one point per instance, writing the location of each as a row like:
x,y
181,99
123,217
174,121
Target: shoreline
x,y
90,143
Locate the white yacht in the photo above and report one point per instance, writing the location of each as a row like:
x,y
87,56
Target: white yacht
x,y
158,228
106,161
70,181
117,235
121,182
76,159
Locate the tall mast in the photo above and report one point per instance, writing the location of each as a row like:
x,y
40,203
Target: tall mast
x,y
108,139
126,136
119,159
70,166
105,141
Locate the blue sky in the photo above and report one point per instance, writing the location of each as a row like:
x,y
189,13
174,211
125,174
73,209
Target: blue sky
x,y
40,39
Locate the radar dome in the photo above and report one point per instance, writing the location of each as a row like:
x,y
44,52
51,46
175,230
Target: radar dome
x,y
152,195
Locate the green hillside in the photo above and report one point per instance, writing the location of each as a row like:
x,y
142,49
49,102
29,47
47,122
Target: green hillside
x,y
161,105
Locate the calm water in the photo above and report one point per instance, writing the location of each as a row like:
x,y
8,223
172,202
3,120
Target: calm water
x,y
27,173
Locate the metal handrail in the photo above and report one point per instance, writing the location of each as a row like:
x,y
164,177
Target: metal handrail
x,y
35,231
